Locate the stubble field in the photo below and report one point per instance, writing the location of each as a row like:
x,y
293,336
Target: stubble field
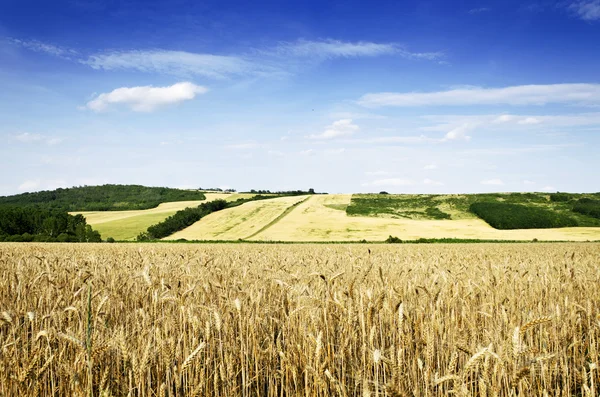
x,y
306,320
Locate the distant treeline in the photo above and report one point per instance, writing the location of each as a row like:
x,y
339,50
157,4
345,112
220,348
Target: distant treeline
x,y
216,189
188,216
37,224
101,198
285,193
516,216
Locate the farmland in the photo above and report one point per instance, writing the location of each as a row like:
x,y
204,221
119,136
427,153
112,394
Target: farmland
x,y
325,218
318,320
239,222
126,225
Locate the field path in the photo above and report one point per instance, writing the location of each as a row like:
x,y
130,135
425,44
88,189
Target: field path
x,y
238,222
280,217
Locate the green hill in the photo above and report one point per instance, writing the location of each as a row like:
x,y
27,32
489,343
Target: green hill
x,y
101,198
500,210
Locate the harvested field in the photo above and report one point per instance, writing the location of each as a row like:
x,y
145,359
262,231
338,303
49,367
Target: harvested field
x,y
299,320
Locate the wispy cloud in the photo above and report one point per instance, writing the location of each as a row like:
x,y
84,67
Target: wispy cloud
x,y
280,59
146,98
333,49
330,48
179,63
431,166
587,94
588,10
494,182
340,128
51,49
479,10
26,137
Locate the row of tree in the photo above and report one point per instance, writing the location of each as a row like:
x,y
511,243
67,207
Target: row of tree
x,y
37,224
181,219
188,216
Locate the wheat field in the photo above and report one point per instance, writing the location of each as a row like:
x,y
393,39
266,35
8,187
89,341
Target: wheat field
x,y
239,222
299,320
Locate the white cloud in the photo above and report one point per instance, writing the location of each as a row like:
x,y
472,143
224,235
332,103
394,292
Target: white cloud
x,y
459,133
588,10
505,118
390,182
275,153
431,182
30,185
528,182
549,189
146,98
431,166
495,181
588,94
308,152
175,63
343,127
530,121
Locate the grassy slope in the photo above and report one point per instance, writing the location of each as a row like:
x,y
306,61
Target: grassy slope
x,y
318,220
410,206
238,222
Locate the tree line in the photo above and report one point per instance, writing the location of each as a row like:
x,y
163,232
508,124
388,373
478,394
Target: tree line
x,y
101,198
44,225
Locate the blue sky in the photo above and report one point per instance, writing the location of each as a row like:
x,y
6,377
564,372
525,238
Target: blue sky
x,y
407,97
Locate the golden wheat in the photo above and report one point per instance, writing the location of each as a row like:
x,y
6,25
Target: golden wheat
x,y
299,320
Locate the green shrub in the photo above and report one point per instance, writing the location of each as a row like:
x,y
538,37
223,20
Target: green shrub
x,y
515,216
588,207
393,240
436,213
561,197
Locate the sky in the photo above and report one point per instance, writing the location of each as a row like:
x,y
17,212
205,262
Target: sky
x,y
338,96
